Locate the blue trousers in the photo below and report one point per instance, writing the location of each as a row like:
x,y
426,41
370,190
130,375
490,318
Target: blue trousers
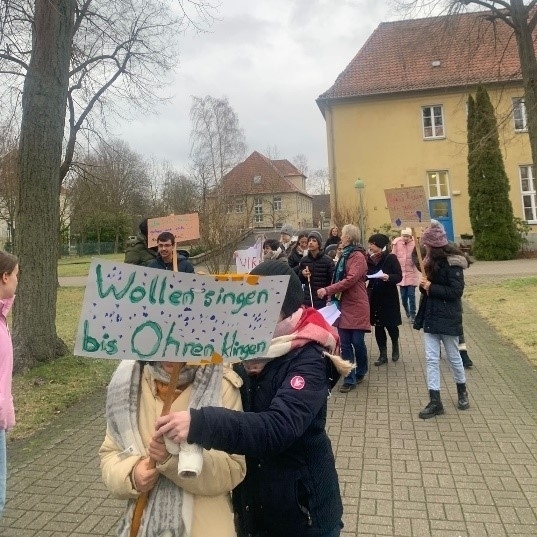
x,y
432,358
353,350
408,299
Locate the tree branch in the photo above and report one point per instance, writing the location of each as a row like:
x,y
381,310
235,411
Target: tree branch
x,y
11,58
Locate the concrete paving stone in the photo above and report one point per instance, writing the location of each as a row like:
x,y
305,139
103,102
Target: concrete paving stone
x,y
520,529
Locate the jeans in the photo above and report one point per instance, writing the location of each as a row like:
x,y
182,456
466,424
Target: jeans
x,y
408,299
432,359
353,350
3,470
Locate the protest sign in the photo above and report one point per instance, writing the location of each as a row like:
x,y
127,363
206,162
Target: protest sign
x,y
132,312
408,206
185,227
246,260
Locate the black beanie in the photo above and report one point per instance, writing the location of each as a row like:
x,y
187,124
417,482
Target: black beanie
x,y
379,240
143,227
294,297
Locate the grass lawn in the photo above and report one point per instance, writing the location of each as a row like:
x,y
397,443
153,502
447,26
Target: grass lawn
x,y
79,266
510,307
50,388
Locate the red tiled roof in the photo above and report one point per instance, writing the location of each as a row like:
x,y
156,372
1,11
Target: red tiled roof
x,y
240,180
286,168
398,57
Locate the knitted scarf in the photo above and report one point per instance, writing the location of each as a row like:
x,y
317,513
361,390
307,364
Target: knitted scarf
x,y
307,325
339,272
168,512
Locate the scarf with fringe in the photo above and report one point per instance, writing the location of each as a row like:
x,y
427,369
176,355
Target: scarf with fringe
x,y
168,512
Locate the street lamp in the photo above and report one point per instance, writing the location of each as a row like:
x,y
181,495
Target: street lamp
x,y
322,218
360,185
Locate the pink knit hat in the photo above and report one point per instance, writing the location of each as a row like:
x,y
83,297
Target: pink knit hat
x,y
435,237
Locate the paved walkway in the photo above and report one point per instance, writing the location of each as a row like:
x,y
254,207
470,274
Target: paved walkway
x,y
464,474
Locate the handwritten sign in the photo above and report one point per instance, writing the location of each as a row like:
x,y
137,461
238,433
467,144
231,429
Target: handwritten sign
x,y
408,206
185,227
132,312
246,260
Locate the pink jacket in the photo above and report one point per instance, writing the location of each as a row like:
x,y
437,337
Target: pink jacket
x,y
7,411
403,251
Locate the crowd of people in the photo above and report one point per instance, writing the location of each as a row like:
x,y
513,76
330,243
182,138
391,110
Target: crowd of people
x,y
243,450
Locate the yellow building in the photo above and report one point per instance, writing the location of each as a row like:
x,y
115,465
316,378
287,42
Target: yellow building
x,y
265,194
396,117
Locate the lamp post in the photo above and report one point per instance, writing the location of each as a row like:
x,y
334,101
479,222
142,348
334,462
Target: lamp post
x,y
360,185
322,218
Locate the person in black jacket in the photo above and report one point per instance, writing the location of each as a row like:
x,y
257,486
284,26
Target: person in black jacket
x,y
291,487
299,250
315,271
164,259
383,296
440,315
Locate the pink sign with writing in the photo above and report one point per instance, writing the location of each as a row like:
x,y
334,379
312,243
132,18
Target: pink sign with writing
x,y
185,227
408,206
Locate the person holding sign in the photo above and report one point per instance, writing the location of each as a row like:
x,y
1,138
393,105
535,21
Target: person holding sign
x,y
440,315
291,486
164,260
196,504
9,269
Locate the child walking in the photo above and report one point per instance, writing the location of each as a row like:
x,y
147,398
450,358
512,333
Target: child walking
x,y
9,269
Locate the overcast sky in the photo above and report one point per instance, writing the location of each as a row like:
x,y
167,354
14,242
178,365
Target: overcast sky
x,y
271,59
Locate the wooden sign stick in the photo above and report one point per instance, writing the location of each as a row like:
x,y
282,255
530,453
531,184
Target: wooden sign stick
x,y
417,245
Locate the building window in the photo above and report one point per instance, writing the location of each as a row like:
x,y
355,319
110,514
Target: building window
x,y
519,114
529,196
433,121
239,207
258,210
257,179
230,208
277,202
438,184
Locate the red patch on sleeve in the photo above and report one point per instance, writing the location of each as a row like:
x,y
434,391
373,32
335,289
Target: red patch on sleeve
x,y
297,383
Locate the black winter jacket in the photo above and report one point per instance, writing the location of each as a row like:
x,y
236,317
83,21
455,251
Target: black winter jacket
x,y
440,310
183,264
383,295
291,487
322,270
294,259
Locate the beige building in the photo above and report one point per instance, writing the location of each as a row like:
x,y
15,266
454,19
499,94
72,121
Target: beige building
x,y
265,194
396,117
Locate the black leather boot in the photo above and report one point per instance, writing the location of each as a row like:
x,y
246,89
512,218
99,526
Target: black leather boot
x,y
395,350
466,362
434,408
383,358
463,403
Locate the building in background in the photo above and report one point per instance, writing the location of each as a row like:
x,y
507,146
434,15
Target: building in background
x,y
396,117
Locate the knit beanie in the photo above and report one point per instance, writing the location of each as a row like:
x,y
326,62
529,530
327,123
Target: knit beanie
x,y
435,237
143,227
317,236
287,229
379,240
294,297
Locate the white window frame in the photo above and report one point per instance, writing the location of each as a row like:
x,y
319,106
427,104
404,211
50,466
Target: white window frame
x,y
239,206
277,203
529,194
434,124
442,196
258,210
520,116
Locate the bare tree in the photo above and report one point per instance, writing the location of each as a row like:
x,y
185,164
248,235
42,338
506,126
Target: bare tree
x,y
301,163
521,17
319,182
217,141
8,180
83,55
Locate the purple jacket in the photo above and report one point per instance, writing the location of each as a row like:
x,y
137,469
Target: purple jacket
x,y
7,411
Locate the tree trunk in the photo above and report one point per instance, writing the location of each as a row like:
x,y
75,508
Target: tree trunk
x,y
528,66
40,151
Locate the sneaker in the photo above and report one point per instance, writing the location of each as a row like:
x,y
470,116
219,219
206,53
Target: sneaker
x,y
346,388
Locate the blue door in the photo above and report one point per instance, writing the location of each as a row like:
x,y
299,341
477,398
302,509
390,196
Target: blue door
x,y
440,210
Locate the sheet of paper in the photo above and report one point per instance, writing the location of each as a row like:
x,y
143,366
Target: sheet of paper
x,y
330,313
378,274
